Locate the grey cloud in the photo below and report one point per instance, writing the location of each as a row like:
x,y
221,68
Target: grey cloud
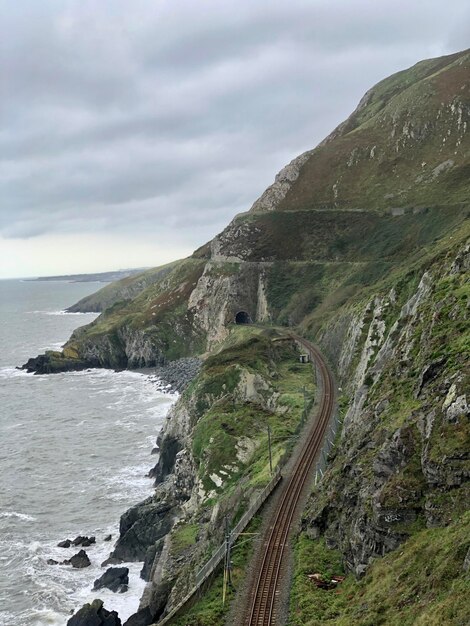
x,y
148,117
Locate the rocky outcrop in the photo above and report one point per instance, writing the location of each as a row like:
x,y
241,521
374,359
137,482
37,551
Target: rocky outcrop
x,y
94,614
83,541
54,362
142,526
273,195
115,578
226,287
79,560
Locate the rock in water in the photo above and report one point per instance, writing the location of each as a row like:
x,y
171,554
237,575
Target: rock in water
x,y
64,544
83,541
94,614
80,560
115,578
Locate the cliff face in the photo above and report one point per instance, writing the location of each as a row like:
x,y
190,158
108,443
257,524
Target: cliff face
x,y
402,462
398,476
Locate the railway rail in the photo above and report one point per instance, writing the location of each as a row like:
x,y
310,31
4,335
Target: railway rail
x,y
263,607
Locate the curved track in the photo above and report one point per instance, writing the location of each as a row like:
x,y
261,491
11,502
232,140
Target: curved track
x,y
262,609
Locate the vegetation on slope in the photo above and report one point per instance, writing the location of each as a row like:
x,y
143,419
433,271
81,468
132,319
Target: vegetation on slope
x,y
400,148
245,388
424,583
124,289
254,381
403,464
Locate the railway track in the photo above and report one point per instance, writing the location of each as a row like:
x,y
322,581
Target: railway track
x,y
263,606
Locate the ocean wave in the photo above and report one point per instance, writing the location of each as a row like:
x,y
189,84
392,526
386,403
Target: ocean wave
x,y
53,346
62,312
22,516
47,617
12,372
58,589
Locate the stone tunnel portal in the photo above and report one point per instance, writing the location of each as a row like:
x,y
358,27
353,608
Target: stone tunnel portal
x,y
242,317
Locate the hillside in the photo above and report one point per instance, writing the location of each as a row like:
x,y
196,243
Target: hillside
x,y
361,244
125,288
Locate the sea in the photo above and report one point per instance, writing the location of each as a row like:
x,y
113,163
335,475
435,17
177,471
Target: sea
x,y
75,449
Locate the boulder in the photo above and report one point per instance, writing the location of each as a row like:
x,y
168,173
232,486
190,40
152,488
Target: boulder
x,y
79,560
85,542
52,562
108,538
94,614
64,544
115,579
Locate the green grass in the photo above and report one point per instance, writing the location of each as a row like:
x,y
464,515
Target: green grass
x,y
224,418
183,537
420,584
209,609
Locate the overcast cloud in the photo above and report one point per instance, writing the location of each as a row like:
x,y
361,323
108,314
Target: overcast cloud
x,y
132,132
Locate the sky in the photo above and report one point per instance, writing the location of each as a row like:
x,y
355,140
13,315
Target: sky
x,y
132,132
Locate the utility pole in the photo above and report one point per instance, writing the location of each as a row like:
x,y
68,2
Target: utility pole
x,y
304,411
270,453
228,564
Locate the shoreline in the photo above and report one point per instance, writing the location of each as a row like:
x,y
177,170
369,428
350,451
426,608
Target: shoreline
x,y
172,377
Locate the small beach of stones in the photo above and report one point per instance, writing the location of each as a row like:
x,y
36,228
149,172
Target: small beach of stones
x,y
177,374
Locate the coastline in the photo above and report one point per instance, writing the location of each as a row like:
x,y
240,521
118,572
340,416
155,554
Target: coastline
x,y
170,378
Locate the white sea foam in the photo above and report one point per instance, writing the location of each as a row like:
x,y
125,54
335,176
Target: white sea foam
x,y
34,547
62,312
22,516
47,617
53,346
12,372
134,406
58,580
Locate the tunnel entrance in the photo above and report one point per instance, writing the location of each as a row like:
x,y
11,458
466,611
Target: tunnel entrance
x,y
242,317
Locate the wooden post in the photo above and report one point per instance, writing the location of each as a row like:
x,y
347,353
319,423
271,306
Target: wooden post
x,y
227,564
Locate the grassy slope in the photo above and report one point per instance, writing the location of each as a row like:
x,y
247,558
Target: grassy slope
x,y
421,584
160,310
223,417
123,289
210,610
386,153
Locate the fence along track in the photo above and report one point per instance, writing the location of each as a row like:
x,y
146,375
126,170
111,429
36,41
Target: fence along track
x,y
209,567
262,608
